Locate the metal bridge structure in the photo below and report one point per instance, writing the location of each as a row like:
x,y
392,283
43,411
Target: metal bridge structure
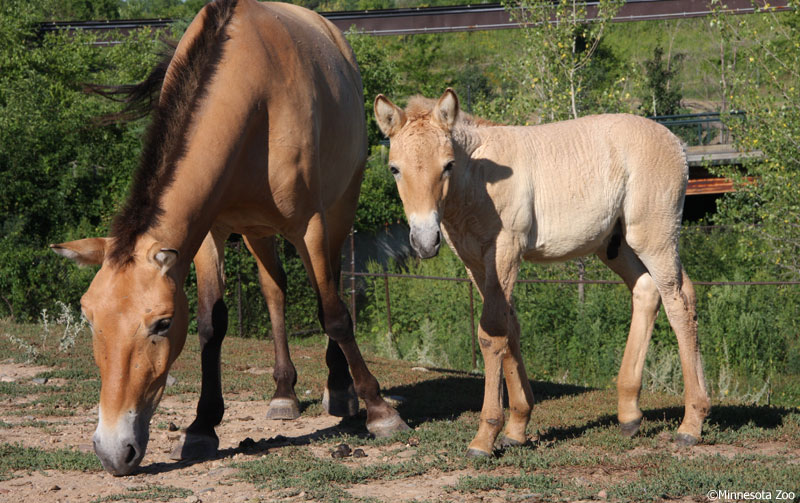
x,y
477,17
494,16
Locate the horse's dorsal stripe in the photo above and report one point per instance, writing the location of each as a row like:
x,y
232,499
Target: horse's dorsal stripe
x,y
184,87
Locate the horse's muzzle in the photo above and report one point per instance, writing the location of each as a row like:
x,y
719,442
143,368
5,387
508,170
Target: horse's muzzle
x,y
122,448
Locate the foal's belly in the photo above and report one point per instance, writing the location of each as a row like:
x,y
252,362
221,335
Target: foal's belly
x,y
568,240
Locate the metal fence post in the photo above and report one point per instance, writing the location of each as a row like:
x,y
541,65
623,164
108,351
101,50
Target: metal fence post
x,y
388,302
353,278
239,286
472,323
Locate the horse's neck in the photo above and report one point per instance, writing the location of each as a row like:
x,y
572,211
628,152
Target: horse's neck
x,y
202,182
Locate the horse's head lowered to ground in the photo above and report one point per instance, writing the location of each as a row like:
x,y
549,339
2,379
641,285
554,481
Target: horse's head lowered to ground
x,y
422,158
139,317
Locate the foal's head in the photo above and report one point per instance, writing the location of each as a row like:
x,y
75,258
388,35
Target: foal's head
x,y
139,315
422,159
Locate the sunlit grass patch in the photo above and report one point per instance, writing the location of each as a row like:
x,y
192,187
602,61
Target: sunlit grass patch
x,y
677,477
147,493
14,457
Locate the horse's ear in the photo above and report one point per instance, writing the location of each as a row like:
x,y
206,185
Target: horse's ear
x,y
89,251
163,258
389,116
445,112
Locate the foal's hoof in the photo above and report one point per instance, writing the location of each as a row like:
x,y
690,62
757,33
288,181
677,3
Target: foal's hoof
x,y
387,427
477,453
630,428
505,442
685,440
283,408
340,403
195,447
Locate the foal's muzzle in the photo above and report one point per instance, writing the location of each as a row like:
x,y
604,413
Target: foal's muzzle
x,y
425,236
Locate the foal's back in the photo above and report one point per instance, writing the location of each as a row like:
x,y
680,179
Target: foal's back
x,y
571,182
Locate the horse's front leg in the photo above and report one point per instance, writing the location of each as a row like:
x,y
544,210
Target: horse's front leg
x,y
498,335
284,403
200,440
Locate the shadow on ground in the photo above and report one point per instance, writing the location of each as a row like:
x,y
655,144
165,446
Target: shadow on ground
x,y
457,392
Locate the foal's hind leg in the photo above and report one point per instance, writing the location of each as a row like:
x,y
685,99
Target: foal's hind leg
x,y
677,294
201,440
644,306
284,403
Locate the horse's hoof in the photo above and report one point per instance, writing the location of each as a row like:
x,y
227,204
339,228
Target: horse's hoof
x,y
387,427
283,408
685,440
505,442
195,447
630,428
340,403
477,453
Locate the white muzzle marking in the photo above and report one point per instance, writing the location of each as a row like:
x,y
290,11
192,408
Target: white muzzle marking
x,y
425,236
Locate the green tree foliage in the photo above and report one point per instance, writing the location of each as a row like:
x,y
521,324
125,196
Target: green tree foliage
x,y
661,96
60,176
562,68
766,81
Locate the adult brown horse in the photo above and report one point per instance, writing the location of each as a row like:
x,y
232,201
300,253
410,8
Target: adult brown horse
x,y
612,185
259,129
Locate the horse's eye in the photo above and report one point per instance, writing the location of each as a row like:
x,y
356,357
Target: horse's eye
x,y
448,168
161,326
394,170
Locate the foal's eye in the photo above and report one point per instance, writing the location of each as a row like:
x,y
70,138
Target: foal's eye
x,y
161,326
394,170
448,168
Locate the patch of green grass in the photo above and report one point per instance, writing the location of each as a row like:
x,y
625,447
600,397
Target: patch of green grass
x,y
542,484
147,493
8,389
675,477
15,457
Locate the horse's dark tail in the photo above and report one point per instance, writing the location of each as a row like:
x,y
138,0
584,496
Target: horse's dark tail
x,y
139,99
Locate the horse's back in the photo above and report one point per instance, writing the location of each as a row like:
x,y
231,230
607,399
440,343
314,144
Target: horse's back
x,y
296,81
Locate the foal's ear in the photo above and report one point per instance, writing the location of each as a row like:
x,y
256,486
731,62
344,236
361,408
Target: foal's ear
x,y
445,112
389,116
89,251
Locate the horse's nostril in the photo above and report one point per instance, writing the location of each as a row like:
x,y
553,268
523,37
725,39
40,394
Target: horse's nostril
x,y
131,454
438,238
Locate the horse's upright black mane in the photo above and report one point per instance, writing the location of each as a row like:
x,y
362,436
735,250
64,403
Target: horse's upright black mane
x,y
173,91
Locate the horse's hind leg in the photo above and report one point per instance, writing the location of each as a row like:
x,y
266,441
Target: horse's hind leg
x,y
644,306
339,398
677,294
284,403
382,419
201,440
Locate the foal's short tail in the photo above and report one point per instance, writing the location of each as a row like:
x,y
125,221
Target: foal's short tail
x,y
140,99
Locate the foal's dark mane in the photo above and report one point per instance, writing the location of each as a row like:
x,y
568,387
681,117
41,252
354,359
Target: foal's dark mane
x,y
174,101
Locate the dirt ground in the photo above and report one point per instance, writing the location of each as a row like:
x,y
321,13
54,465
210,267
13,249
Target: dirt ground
x,y
209,481
216,481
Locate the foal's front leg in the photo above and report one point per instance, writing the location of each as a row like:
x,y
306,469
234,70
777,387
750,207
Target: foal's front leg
x,y
498,335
